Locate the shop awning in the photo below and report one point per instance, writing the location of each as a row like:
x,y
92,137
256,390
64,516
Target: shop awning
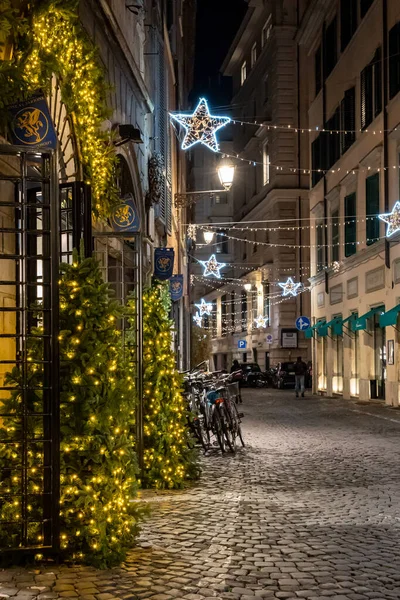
x,y
362,322
389,317
309,333
336,326
322,328
351,321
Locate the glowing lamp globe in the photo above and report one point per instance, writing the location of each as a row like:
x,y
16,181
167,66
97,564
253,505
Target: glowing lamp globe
x,y
208,236
226,174
247,287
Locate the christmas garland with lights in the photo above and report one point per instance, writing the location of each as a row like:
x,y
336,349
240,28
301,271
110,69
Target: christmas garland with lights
x,y
169,457
50,39
97,415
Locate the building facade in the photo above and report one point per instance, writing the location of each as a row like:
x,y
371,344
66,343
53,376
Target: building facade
x,y
269,196
353,87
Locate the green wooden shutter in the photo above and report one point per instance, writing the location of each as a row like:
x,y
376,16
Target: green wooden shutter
x,y
335,234
372,208
350,227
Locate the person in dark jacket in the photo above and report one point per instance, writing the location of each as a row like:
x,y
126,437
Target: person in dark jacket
x,y
235,366
300,370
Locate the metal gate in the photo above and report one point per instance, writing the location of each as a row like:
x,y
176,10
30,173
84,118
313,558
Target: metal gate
x,y
29,372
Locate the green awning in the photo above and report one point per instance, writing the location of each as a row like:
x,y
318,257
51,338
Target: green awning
x,y
389,317
351,320
362,322
321,328
336,325
308,334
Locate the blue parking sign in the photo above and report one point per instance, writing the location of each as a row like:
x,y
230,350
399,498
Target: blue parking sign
x,y
242,344
303,323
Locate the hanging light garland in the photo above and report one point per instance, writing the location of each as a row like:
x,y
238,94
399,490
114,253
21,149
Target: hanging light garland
x,y
205,308
212,267
392,219
289,287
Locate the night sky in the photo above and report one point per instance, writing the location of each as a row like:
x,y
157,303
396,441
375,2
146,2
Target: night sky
x,y
217,24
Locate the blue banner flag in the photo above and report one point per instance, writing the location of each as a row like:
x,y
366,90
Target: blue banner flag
x,y
163,263
126,217
31,124
176,287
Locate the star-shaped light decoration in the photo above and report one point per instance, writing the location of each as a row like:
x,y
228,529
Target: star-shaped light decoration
x,y
261,321
290,288
392,219
204,307
212,267
200,127
198,320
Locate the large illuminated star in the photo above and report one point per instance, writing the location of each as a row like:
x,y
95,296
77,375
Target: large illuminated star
x,y
392,219
261,321
290,288
200,127
204,307
212,267
197,319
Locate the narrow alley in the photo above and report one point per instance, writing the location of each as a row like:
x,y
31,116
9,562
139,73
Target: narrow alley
x,y
309,509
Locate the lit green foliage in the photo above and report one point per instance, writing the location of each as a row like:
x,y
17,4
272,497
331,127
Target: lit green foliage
x,y
98,461
168,459
51,39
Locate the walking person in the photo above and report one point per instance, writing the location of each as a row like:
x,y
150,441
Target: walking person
x,y
300,370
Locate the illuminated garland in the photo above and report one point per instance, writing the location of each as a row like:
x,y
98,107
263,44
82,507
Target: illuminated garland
x,y
58,44
97,408
168,460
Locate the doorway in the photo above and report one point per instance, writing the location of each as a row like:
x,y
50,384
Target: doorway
x,y
378,385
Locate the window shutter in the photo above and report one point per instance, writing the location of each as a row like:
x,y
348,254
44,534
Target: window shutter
x,y
348,21
335,234
394,60
348,119
377,82
316,160
318,68
366,96
350,226
330,47
372,208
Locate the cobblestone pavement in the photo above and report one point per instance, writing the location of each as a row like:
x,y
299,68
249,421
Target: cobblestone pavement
x,y
310,509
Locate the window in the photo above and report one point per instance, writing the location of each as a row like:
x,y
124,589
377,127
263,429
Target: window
x,y
364,7
266,165
221,245
335,235
243,73
348,120
394,60
266,89
320,246
254,54
254,307
267,300
372,208
330,47
233,311
224,323
333,139
244,311
350,225
371,90
266,31
317,160
220,199
318,70
348,21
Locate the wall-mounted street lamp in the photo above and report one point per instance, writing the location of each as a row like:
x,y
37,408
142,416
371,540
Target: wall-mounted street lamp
x,y
247,287
208,236
226,173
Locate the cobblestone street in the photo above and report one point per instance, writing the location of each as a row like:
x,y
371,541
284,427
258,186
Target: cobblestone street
x,y
310,509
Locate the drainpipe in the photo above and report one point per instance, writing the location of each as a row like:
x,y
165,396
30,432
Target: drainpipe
x,y
325,186
385,80
298,155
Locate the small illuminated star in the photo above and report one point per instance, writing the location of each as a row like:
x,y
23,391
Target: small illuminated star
x,y
261,321
197,319
204,307
392,219
200,127
212,267
290,288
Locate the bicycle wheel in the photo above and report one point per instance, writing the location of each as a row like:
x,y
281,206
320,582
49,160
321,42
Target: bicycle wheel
x,y
227,427
200,433
238,428
217,429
